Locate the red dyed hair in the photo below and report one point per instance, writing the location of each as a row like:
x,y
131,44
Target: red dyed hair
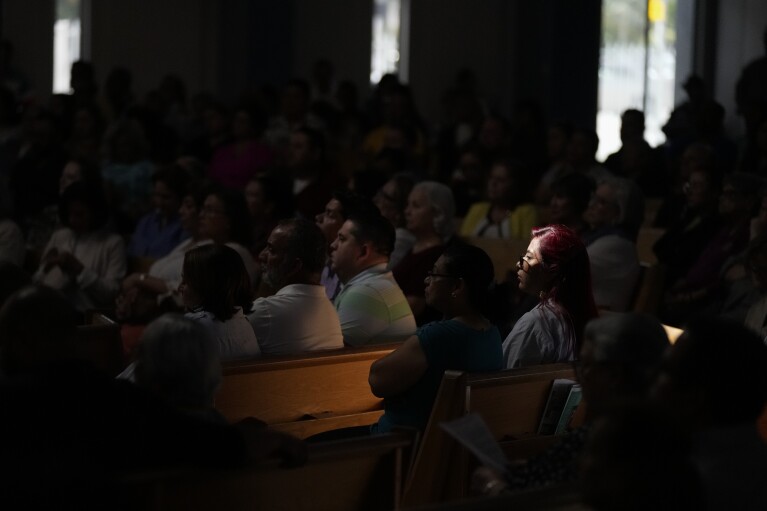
x,y
563,255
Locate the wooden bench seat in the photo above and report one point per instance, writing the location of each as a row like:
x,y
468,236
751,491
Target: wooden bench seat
x,y
362,473
560,498
304,395
511,402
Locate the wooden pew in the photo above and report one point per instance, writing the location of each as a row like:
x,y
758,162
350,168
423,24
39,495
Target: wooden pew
x,y
559,498
99,342
362,473
649,289
511,402
645,241
304,395
651,207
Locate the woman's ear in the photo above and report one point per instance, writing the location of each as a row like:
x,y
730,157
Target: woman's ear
x,y
460,285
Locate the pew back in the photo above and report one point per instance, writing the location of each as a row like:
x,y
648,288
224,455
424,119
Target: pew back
x,y
645,240
363,473
100,343
511,402
303,395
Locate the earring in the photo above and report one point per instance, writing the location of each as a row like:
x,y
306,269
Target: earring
x,y
542,295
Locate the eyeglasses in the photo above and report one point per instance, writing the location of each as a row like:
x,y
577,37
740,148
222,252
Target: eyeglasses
x,y
522,262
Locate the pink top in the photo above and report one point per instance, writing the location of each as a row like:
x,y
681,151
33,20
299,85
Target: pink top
x,y
234,165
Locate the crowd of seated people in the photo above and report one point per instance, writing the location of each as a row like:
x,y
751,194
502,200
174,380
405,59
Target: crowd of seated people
x,y
248,224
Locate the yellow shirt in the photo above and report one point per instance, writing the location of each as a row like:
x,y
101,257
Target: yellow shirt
x,y
517,224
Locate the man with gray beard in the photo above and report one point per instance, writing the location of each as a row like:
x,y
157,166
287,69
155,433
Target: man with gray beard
x,y
299,317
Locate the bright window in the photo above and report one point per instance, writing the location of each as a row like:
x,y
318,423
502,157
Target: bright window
x,y
385,53
66,42
636,68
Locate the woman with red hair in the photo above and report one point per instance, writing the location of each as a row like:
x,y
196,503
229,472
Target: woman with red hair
x,y
556,269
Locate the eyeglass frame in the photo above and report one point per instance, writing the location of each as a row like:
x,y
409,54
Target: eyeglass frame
x,y
522,262
430,275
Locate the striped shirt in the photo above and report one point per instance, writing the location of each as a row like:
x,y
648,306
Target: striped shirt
x,y
373,309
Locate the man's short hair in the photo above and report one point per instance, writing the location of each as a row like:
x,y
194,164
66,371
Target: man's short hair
x,y
305,242
372,227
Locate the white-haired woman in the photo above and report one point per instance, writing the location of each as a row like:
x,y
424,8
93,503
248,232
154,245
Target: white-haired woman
x,y
614,214
429,217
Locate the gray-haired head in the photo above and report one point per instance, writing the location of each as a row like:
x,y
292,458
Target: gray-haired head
x,y
634,341
440,198
178,359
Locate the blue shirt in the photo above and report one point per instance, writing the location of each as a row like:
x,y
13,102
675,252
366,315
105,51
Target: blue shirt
x,y
447,345
153,239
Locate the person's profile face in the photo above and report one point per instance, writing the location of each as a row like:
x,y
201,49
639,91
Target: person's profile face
x,y
419,215
439,285
531,275
71,173
499,183
330,220
189,296
603,209
274,265
214,223
344,252
386,202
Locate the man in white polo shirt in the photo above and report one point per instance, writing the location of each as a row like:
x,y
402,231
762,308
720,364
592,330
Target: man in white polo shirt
x,y
299,317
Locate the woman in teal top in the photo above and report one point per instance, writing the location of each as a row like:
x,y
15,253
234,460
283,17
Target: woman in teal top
x,y
409,377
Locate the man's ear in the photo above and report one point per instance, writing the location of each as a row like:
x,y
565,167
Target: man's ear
x,y
364,251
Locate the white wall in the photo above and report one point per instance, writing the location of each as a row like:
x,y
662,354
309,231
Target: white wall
x,y
28,24
339,30
153,38
446,35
